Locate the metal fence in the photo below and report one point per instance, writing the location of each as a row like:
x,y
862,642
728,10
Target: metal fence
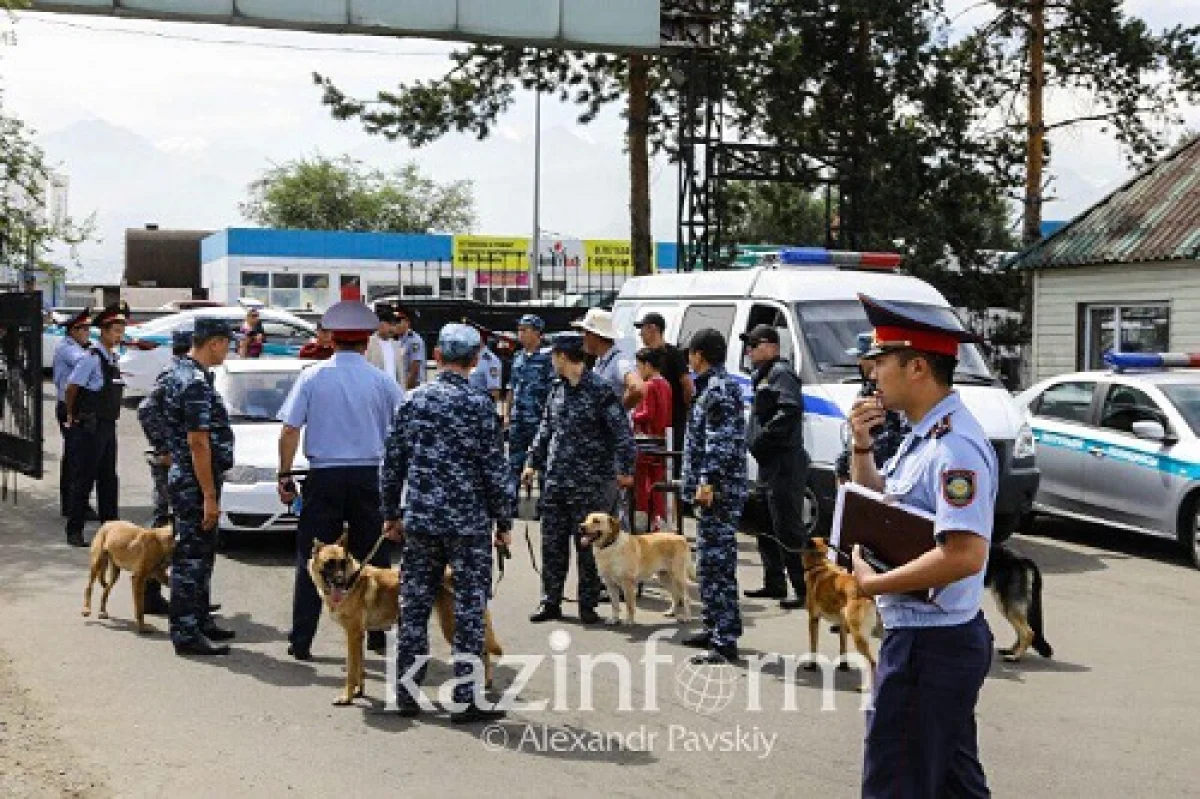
x,y
20,385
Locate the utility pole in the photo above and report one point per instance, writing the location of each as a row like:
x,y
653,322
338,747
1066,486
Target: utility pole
x,y
1035,151
535,257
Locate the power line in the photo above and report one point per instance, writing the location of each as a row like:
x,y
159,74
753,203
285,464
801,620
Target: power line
x,y
234,42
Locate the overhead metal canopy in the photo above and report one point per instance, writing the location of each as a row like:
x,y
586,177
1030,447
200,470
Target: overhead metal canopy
x,y
615,25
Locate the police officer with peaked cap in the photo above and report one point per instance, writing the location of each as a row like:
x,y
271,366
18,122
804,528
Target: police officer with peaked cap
x,y
936,650
345,407
412,343
532,376
445,448
73,346
92,402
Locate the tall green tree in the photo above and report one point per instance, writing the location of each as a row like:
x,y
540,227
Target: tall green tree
x,y
321,193
772,213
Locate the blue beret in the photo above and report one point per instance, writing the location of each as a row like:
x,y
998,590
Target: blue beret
x,y
211,327
458,341
532,320
181,338
568,342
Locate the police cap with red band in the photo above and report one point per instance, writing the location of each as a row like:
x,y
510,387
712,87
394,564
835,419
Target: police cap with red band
x,y
913,328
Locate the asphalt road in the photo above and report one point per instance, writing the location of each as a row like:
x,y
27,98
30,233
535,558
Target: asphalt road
x,y
89,708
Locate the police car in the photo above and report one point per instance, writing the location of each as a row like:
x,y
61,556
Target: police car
x,y
253,390
1122,447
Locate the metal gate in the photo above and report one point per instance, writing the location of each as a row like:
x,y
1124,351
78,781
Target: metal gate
x,y
20,385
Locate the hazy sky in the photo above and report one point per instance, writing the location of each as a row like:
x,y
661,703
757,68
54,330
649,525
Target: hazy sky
x,y
166,123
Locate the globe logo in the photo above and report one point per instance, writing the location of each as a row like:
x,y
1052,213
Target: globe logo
x,y
705,688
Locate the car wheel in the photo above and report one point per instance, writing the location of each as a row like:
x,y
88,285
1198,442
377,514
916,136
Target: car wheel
x,y
1189,531
1004,525
223,540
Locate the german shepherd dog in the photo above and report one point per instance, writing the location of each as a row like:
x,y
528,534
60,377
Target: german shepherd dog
x,y
1016,583
362,597
141,552
831,594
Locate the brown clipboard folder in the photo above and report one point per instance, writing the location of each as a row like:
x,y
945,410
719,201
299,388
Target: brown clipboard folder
x,y
896,533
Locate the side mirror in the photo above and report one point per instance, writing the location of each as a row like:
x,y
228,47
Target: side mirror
x,y
1149,430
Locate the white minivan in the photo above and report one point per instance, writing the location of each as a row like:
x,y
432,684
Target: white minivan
x,y
819,317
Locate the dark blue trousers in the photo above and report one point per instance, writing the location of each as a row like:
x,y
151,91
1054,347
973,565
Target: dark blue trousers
x,y
343,498
921,741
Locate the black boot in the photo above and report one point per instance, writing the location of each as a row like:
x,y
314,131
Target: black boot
x,y
700,640
718,655
546,612
154,603
766,593
792,604
202,648
215,633
75,539
473,713
589,616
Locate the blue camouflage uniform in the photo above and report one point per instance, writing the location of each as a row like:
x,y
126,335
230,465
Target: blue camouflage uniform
x,y
66,355
190,405
935,654
532,376
443,458
345,406
715,454
150,416
584,438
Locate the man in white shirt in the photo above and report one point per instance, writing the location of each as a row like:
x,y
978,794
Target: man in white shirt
x,y
384,352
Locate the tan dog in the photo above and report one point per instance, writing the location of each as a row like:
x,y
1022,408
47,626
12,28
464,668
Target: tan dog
x,y
141,552
368,598
625,560
831,594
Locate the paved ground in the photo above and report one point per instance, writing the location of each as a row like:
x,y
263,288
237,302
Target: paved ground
x,y
89,708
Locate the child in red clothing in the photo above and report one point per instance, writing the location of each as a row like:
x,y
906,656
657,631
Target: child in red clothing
x,y
650,422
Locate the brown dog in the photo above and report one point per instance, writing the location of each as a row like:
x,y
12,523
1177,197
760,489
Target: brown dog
x,y
141,552
625,560
831,594
368,598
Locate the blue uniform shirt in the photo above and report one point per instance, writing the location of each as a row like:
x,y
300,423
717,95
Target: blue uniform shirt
x,y
414,347
346,405
613,366
87,373
946,466
487,373
532,376
66,356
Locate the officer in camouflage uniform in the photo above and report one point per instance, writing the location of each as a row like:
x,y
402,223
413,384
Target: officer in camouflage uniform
x,y
890,434
532,376
444,447
200,441
150,415
714,478
584,441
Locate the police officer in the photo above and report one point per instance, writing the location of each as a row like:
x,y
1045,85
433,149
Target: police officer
x,y
413,345
585,445
346,406
200,441
92,406
936,653
486,376
445,447
776,441
532,376
714,479
887,436
73,346
150,416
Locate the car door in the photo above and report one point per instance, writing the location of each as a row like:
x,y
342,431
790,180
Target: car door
x,y
1061,422
1127,477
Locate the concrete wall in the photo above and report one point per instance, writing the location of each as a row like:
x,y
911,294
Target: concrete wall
x,y
1060,294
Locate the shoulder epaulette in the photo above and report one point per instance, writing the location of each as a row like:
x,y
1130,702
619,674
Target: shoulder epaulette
x,y
943,427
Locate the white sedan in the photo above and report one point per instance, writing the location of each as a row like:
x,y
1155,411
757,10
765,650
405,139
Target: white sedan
x,y
254,390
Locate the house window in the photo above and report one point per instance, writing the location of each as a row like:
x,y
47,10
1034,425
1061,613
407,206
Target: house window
x,y
256,286
1144,327
285,290
314,292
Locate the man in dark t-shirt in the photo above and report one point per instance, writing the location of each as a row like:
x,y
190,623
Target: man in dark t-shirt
x,y
675,371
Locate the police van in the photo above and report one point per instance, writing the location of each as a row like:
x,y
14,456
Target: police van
x,y
810,296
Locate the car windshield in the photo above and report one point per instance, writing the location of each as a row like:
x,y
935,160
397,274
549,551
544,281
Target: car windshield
x,y
831,327
1186,398
256,396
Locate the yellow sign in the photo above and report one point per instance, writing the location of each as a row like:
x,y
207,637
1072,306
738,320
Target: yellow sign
x,y
608,255
492,253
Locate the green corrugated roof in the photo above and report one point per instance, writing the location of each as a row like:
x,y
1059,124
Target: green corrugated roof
x,y
1153,217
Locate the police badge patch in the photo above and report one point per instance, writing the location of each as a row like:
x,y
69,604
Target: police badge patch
x,y
958,487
